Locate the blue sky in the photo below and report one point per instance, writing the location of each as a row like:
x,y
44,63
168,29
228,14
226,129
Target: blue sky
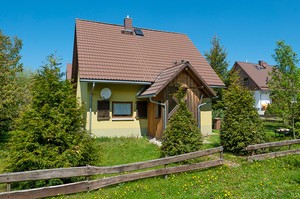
x,y
248,29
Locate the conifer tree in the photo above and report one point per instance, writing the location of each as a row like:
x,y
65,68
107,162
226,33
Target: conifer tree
x,y
50,132
182,134
242,125
217,58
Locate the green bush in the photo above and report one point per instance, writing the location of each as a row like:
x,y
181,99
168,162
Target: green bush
x,y
50,132
241,125
182,134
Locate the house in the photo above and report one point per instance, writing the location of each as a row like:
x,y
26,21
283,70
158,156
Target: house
x,y
126,76
255,78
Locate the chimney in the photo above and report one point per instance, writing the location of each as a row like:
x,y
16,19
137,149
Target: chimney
x,y
262,63
128,23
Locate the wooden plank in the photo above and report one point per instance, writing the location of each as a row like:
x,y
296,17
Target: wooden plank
x,y
273,154
153,163
47,191
44,174
93,170
272,144
96,184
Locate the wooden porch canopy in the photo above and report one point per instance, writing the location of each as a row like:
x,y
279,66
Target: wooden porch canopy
x,y
168,74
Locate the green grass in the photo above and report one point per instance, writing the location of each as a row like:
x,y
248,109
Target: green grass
x,y
237,178
274,178
116,151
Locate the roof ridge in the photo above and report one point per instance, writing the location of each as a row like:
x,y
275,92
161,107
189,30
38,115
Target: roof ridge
x,y
255,64
119,25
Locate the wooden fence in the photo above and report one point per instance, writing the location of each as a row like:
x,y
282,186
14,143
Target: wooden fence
x,y
255,147
87,171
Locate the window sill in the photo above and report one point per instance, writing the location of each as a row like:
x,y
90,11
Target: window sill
x,y
122,119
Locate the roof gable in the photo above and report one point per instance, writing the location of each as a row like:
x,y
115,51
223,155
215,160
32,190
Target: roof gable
x,y
103,52
167,75
258,73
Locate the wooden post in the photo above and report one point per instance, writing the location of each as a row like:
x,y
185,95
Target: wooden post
x,y
88,177
8,187
221,155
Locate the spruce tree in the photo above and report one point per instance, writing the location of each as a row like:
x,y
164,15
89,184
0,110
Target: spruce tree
x,y
50,132
182,134
217,58
242,125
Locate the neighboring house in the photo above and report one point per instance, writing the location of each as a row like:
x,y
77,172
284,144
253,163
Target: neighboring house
x,y
126,77
255,78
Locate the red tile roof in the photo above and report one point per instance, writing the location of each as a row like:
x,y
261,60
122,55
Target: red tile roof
x,y
168,74
105,53
259,74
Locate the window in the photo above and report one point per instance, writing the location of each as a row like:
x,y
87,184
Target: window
x,y
246,81
122,109
103,110
141,107
158,110
138,32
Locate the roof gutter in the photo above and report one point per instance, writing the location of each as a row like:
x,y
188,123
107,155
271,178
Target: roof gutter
x,y
146,96
115,81
216,86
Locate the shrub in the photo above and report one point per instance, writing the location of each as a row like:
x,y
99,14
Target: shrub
x,y
241,125
50,132
182,134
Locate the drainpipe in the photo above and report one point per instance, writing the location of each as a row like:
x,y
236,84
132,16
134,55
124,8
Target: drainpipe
x,y
165,111
91,105
199,113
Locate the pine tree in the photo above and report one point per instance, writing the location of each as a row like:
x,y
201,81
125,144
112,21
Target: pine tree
x,y
182,134
50,133
216,57
242,125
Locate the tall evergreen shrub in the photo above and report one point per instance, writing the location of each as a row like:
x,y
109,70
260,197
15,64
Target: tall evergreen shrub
x,y
242,125
50,132
182,134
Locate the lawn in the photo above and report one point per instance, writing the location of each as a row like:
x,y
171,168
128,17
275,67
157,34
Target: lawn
x,y
237,178
274,178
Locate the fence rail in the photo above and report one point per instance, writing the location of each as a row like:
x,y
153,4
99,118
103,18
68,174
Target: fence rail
x,y
272,154
93,170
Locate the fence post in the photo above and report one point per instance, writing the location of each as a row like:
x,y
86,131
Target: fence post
x,y
88,177
221,154
8,187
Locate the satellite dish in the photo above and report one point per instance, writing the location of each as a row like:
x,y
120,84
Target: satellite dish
x,y
105,93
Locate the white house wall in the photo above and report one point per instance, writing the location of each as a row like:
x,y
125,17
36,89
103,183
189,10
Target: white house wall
x,y
262,99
